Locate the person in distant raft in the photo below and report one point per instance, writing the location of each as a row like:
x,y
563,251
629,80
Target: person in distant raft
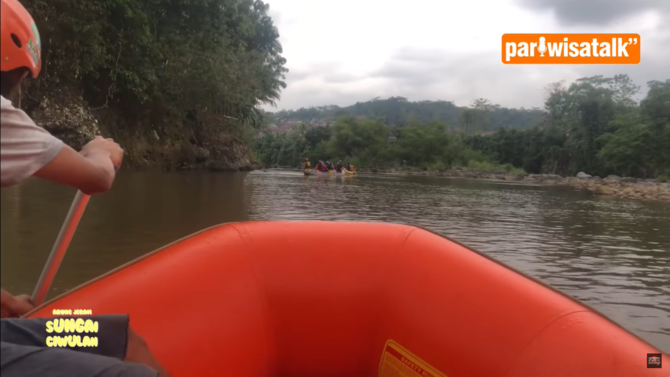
x,y
306,166
320,166
329,166
28,150
338,167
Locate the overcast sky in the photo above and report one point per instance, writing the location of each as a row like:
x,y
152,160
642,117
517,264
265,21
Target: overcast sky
x,y
343,51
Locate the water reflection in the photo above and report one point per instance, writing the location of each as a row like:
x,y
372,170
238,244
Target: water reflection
x,y
142,212
613,254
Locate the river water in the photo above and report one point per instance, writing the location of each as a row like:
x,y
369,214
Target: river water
x,y
612,254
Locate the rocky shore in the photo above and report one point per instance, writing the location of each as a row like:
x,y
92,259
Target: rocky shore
x,y
648,189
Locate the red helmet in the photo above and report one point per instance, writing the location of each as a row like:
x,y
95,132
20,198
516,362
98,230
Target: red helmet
x,y
20,42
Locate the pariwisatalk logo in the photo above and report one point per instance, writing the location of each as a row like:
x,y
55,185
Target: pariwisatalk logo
x,y
571,48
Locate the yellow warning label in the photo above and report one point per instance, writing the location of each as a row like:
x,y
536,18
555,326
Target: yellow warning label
x,y
399,362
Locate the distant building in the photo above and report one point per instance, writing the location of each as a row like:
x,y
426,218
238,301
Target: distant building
x,y
268,129
316,123
285,128
288,126
292,125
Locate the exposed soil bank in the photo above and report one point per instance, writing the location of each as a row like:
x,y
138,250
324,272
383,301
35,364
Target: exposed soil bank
x,y
209,145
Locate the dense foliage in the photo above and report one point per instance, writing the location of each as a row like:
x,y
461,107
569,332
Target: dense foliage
x,y
167,60
482,115
593,125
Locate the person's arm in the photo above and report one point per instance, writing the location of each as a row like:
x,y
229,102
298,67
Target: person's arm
x,y
28,150
92,173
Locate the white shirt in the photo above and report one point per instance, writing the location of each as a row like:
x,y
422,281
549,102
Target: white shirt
x,y
24,146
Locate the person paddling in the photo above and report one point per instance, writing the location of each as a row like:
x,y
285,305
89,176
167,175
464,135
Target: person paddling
x,y
320,166
28,150
338,167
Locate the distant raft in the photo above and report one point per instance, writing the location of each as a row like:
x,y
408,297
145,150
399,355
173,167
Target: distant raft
x,y
320,298
329,173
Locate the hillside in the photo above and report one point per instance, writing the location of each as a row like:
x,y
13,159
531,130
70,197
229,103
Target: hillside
x,y
594,125
482,115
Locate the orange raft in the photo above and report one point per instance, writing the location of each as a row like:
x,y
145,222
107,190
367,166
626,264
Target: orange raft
x,y
273,299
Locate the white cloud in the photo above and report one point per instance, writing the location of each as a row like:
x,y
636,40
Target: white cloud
x,y
343,51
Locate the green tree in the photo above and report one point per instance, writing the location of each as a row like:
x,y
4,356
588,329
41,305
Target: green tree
x,y
592,125
351,137
286,149
183,63
626,151
317,135
420,144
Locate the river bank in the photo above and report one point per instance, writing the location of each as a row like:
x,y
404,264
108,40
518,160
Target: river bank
x,y
216,145
207,144
633,188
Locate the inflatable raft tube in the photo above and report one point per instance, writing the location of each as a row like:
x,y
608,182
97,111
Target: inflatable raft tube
x,y
317,173
272,299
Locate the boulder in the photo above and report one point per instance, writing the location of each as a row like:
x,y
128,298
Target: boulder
x,y
603,190
201,154
581,174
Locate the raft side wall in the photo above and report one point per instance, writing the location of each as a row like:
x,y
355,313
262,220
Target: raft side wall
x,y
197,303
274,299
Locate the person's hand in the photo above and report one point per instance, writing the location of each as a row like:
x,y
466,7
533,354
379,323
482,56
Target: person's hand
x,y
102,145
14,306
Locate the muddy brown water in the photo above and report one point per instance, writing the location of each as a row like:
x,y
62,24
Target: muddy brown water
x,y
611,253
